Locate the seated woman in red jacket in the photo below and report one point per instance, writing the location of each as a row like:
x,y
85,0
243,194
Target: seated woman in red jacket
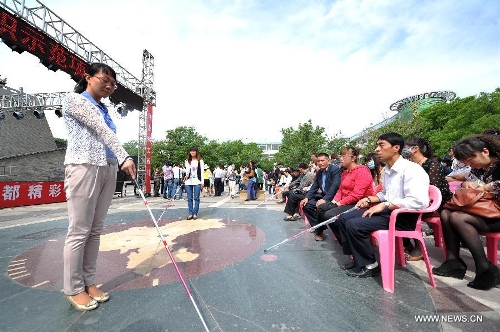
x,y
356,183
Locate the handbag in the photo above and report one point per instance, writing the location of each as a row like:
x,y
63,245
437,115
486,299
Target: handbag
x,y
473,201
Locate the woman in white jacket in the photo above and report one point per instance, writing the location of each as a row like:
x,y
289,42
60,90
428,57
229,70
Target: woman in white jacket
x,y
93,156
193,181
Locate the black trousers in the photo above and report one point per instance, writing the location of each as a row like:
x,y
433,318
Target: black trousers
x,y
312,214
219,186
292,205
329,210
355,232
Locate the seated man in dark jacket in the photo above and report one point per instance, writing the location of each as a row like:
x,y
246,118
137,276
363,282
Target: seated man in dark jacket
x,y
297,192
324,187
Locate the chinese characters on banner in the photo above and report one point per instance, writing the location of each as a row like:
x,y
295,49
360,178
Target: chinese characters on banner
x,y
149,147
30,193
20,35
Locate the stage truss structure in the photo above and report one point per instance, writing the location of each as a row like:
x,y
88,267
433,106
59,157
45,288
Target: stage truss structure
x,y
47,23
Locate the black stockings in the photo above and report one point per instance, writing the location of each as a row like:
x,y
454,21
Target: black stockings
x,y
460,226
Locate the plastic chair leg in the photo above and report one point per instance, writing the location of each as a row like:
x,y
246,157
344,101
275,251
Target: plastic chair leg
x,y
386,257
491,249
427,262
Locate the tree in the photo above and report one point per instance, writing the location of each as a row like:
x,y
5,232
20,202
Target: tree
x,y
131,147
238,153
298,145
336,144
179,140
445,123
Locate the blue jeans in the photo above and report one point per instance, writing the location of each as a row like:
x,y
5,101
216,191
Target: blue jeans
x,y
173,188
193,193
166,188
251,194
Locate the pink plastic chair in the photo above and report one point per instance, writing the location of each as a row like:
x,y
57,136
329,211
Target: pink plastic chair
x,y
391,240
492,245
435,221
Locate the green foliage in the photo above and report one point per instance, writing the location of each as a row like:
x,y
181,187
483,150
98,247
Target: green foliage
x,y
445,124
297,145
441,124
131,147
61,143
336,144
179,140
412,128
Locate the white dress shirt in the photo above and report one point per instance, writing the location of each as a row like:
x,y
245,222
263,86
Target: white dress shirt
x,y
406,185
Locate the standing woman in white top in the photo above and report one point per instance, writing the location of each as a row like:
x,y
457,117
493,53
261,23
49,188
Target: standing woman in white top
x,y
194,181
93,156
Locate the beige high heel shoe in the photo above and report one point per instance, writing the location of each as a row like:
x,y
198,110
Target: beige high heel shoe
x,y
82,307
102,298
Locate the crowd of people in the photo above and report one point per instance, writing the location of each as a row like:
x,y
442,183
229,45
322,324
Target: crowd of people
x,y
396,175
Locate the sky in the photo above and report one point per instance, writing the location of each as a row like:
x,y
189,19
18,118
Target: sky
x,y
247,69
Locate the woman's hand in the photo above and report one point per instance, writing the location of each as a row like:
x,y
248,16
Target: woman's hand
x,y
129,168
363,203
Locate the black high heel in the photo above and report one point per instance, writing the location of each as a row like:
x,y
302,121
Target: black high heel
x,y
486,280
454,268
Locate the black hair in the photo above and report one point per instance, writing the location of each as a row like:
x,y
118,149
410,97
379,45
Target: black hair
x,y
446,160
491,131
468,147
393,139
375,171
303,166
91,70
323,154
194,148
423,145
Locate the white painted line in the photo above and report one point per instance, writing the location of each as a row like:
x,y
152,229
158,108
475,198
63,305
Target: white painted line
x,y
19,260
221,202
17,264
19,272
17,268
33,222
22,276
42,283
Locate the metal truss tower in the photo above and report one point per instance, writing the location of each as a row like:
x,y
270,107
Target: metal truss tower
x,y
43,33
144,151
48,22
35,101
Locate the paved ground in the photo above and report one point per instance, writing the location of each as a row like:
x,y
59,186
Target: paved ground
x,y
236,287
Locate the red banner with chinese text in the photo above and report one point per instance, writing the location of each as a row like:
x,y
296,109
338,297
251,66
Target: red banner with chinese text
x,y
21,36
31,193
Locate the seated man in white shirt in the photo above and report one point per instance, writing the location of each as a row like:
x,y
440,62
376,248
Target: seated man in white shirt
x,y
406,185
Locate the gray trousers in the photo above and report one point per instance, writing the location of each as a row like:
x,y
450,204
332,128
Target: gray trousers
x,y
89,191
